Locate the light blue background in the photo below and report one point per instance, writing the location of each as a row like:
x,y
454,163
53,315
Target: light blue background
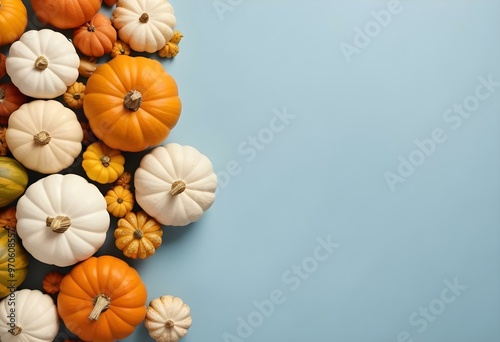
x,y
323,174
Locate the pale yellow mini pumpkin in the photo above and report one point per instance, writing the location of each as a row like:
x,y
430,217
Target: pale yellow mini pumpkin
x,y
167,319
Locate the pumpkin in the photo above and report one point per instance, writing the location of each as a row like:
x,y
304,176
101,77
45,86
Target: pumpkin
x,y
13,20
88,135
86,67
168,319
13,180
42,64
74,95
102,299
124,179
10,100
144,25
96,37
3,58
170,50
175,184
8,218
51,283
102,163
131,103
13,262
120,48
110,2
65,14
62,219
120,201
34,318
138,235
44,136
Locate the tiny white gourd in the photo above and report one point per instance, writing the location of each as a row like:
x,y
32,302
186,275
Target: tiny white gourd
x,y
44,136
28,316
62,219
168,319
144,25
42,64
175,184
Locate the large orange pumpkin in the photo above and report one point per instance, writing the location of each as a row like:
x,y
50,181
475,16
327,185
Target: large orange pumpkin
x,y
65,14
102,299
131,103
96,37
13,20
10,100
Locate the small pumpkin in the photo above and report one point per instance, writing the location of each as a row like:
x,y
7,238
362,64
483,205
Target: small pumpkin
x,y
124,179
65,14
3,58
102,299
86,67
131,103
120,48
96,37
10,100
35,320
120,201
8,218
175,184
42,64
102,163
144,25
13,180
170,50
138,235
13,261
44,136
168,319
13,20
62,219
51,282
74,95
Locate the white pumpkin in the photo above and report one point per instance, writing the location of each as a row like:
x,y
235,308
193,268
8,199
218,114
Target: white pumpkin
x,y
144,25
28,316
167,319
175,184
42,64
62,219
44,136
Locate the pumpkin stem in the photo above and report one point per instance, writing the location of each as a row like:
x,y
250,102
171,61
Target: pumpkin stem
x,y
101,304
138,234
41,63
177,188
2,95
91,28
119,200
169,324
105,160
58,224
77,96
16,330
42,138
133,100
144,18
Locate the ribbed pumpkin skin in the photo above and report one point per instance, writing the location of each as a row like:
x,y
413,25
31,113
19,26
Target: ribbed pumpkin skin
x,y
19,259
65,14
113,278
96,37
13,180
125,129
13,20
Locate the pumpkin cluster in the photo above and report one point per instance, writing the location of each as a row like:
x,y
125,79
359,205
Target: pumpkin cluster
x,y
80,95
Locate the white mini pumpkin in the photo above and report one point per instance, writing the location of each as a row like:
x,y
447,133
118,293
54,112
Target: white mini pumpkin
x,y
168,319
62,219
175,184
42,64
28,316
44,136
144,25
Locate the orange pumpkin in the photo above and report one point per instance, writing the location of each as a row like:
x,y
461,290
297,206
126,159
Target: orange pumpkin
x,y
131,103
96,37
13,20
3,71
65,14
51,283
8,218
102,299
10,100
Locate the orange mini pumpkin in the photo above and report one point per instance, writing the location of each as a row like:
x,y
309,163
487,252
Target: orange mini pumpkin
x,y
10,100
13,20
65,14
131,103
8,218
51,283
96,37
102,299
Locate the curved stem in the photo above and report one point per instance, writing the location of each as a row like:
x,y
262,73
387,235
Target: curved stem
x,y
105,160
177,187
42,138
58,224
101,304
